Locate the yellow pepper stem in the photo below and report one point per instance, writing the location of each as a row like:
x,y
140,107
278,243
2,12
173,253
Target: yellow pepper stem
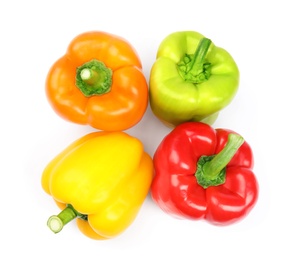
x,y
57,222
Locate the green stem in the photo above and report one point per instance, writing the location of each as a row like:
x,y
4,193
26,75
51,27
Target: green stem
x,y
57,222
93,78
89,76
193,67
211,169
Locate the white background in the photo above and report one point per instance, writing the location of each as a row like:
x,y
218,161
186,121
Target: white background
x,y
35,33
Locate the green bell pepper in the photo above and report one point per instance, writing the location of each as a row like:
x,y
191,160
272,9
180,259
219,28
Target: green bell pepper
x,y
191,79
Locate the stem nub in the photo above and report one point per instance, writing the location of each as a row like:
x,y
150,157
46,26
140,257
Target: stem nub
x,y
93,78
57,222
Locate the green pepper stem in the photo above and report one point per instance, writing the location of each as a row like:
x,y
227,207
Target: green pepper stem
x,y
200,56
57,222
194,67
211,169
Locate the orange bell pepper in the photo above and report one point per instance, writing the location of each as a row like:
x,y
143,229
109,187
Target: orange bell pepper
x,y
99,82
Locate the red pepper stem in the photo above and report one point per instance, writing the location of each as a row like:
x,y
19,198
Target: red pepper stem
x,y
57,222
212,168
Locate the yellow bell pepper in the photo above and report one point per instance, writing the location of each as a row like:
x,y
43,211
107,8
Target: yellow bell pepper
x,y
101,180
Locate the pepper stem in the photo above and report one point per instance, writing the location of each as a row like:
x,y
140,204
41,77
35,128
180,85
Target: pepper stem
x,y
193,67
57,222
89,76
211,169
93,78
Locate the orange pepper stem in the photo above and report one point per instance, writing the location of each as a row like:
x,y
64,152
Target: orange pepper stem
x,y
89,76
57,222
93,78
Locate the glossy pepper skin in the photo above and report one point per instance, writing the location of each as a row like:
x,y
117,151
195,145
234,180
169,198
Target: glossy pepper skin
x,y
101,180
98,82
191,79
204,173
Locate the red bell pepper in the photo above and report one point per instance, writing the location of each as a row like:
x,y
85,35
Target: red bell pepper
x,y
204,173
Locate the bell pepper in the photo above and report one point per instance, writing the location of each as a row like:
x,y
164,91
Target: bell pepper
x,y
101,180
191,79
203,173
98,82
